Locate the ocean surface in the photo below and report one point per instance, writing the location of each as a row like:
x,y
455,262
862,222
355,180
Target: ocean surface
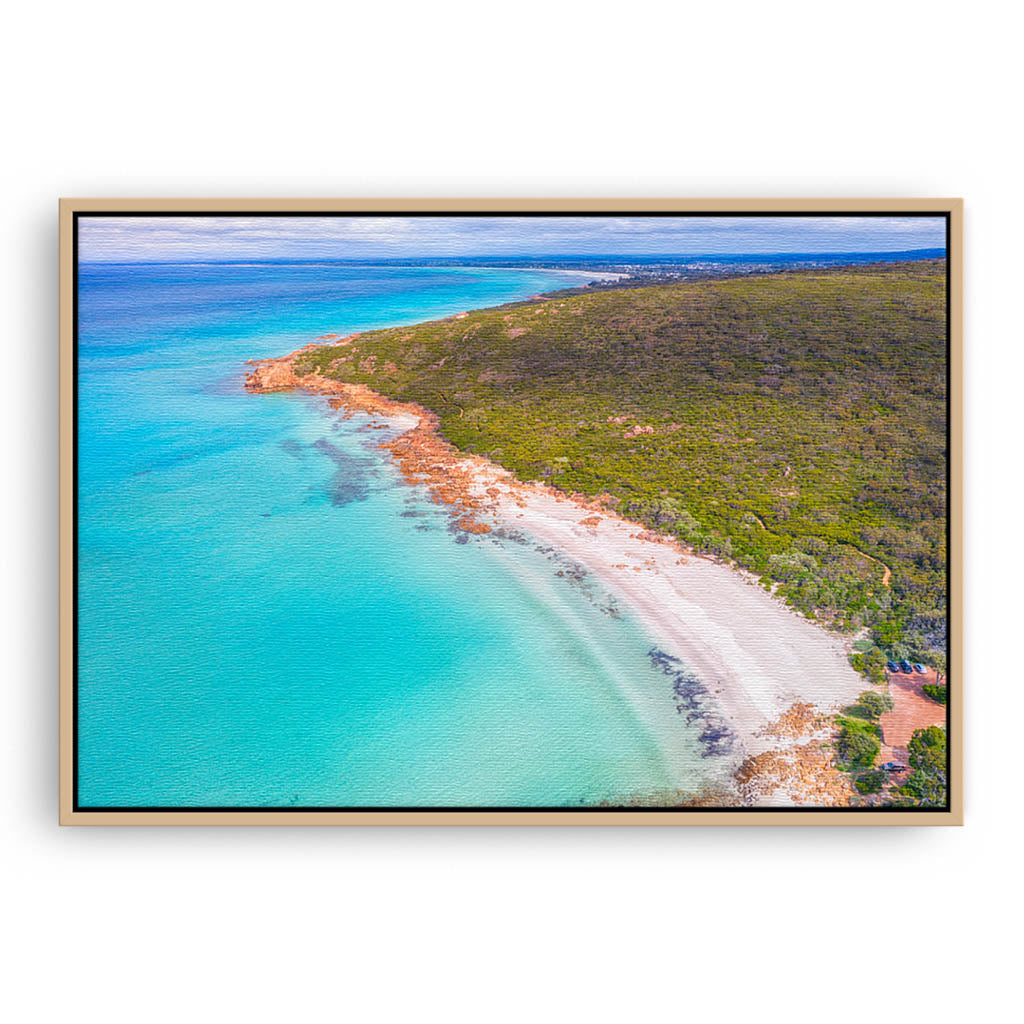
x,y
270,616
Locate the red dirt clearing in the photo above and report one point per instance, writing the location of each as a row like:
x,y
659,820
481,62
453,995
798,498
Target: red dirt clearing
x,y
912,709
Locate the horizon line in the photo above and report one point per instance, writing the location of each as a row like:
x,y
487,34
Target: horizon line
x,y
620,257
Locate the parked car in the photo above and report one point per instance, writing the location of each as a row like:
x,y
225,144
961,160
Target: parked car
x,y
892,666
920,668
892,766
905,666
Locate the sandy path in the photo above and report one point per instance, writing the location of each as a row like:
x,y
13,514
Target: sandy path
x,y
912,710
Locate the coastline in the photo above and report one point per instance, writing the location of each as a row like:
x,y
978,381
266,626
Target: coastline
x,y
772,676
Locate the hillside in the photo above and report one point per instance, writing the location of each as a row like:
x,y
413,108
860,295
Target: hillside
x,y
794,422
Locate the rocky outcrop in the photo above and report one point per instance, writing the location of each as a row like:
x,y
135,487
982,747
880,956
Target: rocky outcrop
x,y
421,454
272,375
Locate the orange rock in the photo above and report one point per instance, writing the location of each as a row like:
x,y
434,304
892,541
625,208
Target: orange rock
x,y
470,525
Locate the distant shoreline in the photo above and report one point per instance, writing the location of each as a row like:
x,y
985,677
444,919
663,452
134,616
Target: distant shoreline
x,y
582,264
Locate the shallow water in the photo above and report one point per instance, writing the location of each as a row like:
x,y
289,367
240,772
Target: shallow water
x,y
270,616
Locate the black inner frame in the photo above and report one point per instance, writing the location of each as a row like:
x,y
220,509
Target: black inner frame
x,y
470,810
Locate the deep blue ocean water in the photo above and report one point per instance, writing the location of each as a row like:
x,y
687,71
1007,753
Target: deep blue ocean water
x,y
270,616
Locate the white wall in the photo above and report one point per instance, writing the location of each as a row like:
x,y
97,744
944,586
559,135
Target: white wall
x,y
589,99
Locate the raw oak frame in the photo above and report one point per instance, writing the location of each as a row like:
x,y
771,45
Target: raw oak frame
x,y
953,815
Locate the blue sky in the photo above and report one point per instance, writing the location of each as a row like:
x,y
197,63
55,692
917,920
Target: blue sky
x,y
246,238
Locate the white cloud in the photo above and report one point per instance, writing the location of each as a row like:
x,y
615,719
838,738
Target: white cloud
x,y
226,237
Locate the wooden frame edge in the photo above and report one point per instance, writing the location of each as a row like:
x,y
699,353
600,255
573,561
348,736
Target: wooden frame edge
x,y
66,431
838,817
497,204
955,526
469,817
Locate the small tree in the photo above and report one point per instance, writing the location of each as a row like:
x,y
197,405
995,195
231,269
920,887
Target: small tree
x,y
924,789
875,704
927,750
859,748
926,785
871,782
874,665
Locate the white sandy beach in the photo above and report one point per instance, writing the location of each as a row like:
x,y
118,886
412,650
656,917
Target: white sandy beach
x,y
755,654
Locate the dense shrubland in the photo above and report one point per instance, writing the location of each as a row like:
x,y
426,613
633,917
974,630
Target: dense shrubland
x,y
926,784
859,740
794,423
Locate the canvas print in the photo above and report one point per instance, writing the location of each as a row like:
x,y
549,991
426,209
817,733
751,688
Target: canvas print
x,y
631,511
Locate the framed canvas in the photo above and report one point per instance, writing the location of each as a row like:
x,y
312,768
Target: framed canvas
x,y
511,511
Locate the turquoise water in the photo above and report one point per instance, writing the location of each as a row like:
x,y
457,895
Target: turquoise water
x,y
270,616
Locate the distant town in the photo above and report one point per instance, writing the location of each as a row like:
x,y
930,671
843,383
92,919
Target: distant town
x,y
633,270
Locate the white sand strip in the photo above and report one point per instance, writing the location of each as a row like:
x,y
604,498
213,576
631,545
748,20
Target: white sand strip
x,y
756,655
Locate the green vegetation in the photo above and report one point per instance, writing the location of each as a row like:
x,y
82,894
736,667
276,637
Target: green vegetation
x,y
871,782
937,692
794,423
926,784
860,738
871,663
871,706
859,742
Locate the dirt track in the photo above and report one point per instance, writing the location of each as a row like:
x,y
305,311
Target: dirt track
x,y
912,711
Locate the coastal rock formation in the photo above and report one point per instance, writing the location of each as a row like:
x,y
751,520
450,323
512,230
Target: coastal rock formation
x,y
272,375
798,768
422,455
